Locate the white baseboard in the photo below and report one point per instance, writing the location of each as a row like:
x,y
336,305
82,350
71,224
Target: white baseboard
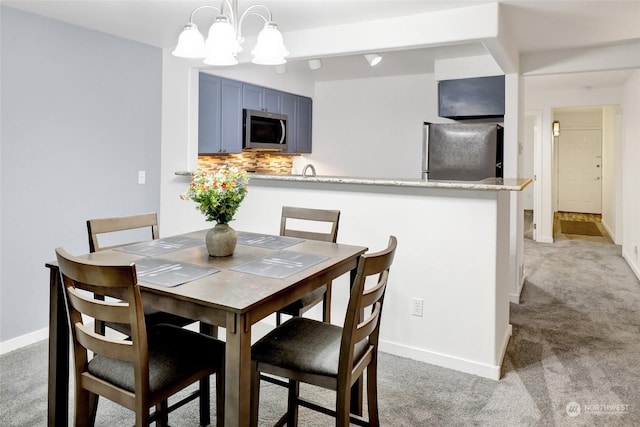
x,y
514,297
24,340
505,343
611,234
484,370
633,266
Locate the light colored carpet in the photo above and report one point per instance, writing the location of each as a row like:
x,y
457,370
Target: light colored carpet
x,y
576,338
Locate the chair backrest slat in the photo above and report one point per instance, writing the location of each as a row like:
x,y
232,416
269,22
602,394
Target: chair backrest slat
x,y
117,312
99,344
357,329
315,215
370,323
111,225
370,296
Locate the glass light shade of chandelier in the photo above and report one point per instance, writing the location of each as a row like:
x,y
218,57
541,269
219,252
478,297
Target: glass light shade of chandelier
x,y
269,48
222,44
190,43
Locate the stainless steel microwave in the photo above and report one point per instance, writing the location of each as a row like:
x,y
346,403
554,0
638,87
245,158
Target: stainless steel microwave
x,y
264,130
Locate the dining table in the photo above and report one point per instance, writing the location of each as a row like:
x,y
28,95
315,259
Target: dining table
x,y
176,274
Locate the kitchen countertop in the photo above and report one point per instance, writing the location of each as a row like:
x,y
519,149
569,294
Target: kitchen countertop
x,y
489,184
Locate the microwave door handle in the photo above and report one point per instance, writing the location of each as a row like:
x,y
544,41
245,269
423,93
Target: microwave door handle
x,y
284,130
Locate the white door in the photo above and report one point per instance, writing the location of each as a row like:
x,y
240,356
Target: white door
x,y
580,171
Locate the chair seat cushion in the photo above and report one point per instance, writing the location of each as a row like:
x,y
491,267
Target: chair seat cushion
x,y
174,354
303,345
311,298
153,317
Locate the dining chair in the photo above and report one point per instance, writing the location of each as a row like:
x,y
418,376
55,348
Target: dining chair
x,y
326,355
292,218
139,371
112,226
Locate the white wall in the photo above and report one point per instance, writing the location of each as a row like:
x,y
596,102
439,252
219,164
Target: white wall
x,y
371,127
610,164
80,117
631,177
458,269
526,158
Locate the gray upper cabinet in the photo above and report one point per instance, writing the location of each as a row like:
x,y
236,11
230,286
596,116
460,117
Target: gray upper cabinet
x,y
298,111
252,97
231,117
303,128
289,108
209,116
261,98
219,115
273,100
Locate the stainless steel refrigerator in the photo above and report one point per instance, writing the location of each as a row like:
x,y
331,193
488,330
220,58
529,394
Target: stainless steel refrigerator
x,y
462,151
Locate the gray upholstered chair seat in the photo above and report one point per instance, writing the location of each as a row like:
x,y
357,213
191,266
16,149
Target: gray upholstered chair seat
x,y
153,317
312,298
173,353
303,345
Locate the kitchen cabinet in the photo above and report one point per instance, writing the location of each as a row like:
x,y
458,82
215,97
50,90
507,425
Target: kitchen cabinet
x,y
289,108
219,115
261,98
298,110
303,128
231,117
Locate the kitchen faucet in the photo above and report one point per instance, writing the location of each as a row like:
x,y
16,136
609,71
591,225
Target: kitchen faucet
x,y
309,166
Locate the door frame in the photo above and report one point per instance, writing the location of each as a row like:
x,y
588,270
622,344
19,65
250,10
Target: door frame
x,y
537,169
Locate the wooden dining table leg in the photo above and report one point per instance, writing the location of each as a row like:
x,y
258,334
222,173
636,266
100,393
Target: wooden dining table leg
x,y
58,387
238,371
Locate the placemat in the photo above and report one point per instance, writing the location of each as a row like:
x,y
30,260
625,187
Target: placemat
x,y
161,246
266,240
280,264
167,273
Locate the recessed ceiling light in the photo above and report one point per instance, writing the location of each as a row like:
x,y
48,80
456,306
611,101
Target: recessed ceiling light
x,y
373,59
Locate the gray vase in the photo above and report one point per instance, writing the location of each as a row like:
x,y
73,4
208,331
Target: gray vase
x,y
221,240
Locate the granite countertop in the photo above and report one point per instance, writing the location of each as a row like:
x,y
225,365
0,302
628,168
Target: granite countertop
x,y
489,184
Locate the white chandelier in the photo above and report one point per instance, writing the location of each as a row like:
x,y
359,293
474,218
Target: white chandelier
x,y
225,38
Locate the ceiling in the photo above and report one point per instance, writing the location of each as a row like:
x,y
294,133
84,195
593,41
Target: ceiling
x,y
534,26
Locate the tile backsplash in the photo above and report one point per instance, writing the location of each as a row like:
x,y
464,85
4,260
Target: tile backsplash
x,y
262,162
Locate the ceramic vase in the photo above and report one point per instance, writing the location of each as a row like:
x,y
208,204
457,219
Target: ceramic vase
x,y
221,240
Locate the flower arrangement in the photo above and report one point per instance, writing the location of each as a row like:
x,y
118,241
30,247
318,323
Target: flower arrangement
x,y
218,195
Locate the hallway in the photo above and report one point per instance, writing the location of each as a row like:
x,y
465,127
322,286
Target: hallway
x,y
570,216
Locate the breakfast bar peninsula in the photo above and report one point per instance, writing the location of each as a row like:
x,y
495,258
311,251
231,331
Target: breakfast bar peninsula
x,y
448,299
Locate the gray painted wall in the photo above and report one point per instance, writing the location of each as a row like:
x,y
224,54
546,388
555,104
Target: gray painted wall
x,y
80,116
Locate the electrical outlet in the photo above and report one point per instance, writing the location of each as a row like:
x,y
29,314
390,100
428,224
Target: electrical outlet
x,y
416,307
142,177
